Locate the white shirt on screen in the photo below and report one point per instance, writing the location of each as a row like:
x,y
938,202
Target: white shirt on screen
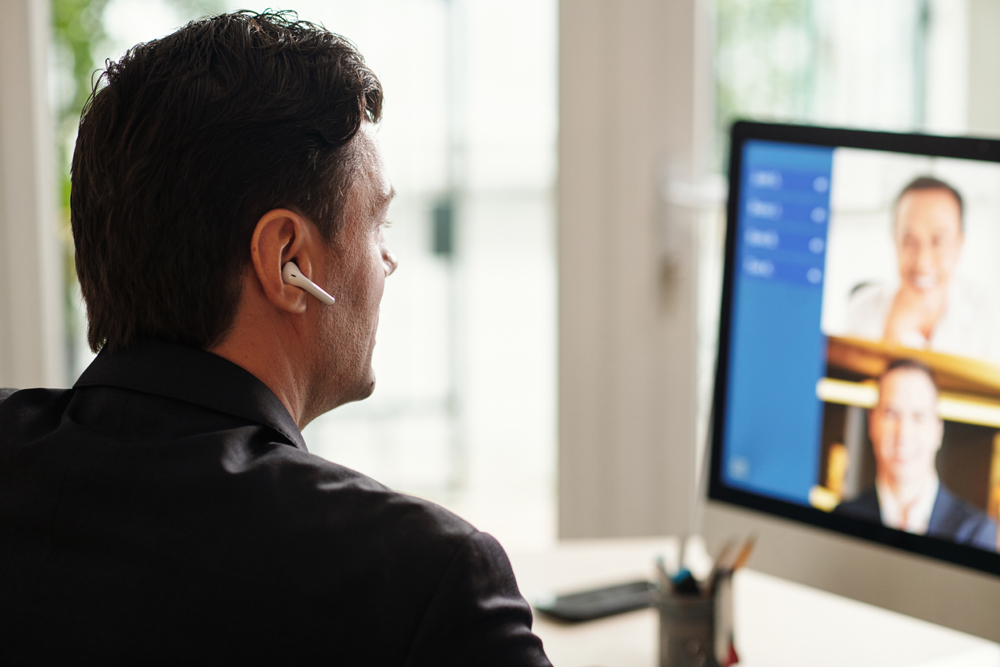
x,y
966,329
919,516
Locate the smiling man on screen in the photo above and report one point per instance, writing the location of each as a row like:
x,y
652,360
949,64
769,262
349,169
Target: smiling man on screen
x,y
227,210
932,306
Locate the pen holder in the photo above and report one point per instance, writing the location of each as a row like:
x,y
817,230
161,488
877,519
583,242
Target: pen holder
x,y
687,630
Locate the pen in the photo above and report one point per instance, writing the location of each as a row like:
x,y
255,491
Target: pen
x,y
744,553
661,570
717,567
684,583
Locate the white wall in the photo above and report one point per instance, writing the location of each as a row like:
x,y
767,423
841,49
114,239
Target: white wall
x,y
31,324
635,116
984,67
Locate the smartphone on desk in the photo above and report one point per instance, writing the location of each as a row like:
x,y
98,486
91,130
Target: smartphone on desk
x,y
597,603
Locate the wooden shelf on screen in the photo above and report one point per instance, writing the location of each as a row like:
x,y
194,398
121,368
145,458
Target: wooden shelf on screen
x,y
953,373
952,406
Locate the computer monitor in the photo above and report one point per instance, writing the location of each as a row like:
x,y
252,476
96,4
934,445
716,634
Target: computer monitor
x,y
856,414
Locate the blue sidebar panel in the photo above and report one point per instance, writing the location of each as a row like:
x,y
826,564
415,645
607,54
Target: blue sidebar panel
x,y
773,421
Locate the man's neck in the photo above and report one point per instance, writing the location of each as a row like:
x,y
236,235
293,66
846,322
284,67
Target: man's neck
x,y
907,492
257,342
907,507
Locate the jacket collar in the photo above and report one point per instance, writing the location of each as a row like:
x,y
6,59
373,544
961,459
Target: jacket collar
x,y
195,376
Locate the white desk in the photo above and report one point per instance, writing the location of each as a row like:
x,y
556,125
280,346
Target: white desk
x,y
778,623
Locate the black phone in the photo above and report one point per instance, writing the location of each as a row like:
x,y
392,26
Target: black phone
x,y
599,602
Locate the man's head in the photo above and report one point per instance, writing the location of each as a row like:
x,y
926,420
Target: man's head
x,y
187,142
928,233
904,426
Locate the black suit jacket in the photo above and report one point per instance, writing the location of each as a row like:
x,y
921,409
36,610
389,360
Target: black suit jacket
x,y
951,518
165,510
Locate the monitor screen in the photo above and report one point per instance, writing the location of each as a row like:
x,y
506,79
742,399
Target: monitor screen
x,y
858,381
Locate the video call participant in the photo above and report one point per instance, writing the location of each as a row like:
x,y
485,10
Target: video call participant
x,y
930,308
165,510
906,433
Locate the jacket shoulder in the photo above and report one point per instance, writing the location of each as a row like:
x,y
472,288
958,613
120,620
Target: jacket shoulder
x,y
954,519
311,492
27,414
864,506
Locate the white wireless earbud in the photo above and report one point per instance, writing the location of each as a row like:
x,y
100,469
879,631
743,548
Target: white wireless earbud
x,y
292,276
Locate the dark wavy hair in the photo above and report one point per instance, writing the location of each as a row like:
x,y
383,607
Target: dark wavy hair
x,y
907,364
185,143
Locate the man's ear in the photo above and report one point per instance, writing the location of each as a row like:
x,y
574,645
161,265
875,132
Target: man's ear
x,y
281,236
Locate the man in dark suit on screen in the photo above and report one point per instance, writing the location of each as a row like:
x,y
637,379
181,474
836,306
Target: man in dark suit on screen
x,y
906,434
228,202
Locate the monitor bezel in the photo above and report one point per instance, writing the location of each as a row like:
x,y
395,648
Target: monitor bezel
x,y
970,148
